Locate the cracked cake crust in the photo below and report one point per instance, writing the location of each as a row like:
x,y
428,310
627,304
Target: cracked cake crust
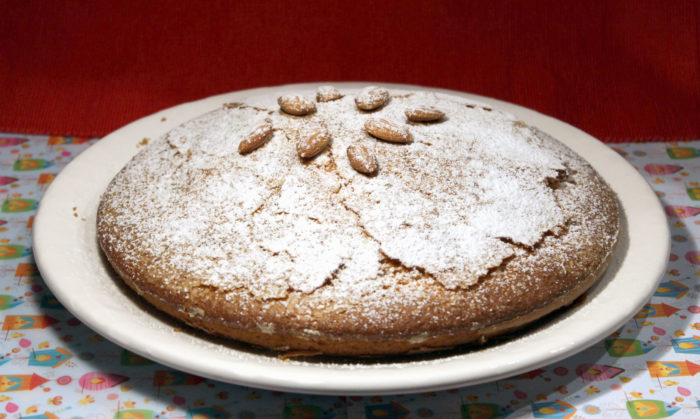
x,y
477,226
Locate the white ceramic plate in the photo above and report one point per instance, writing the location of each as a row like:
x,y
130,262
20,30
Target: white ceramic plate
x,y
67,254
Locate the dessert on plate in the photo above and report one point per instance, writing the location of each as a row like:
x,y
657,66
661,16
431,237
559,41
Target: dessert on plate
x,y
358,222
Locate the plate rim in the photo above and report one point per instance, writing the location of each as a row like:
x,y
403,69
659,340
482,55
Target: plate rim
x,y
386,378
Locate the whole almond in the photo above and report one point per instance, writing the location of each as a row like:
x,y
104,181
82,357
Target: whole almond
x,y
423,113
327,94
371,98
296,104
255,138
387,130
362,159
312,144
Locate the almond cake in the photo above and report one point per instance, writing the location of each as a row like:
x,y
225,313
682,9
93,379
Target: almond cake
x,y
358,222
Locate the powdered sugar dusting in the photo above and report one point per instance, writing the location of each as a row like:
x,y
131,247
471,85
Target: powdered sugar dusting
x,y
456,202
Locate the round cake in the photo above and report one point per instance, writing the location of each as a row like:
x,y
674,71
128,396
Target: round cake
x,y
358,222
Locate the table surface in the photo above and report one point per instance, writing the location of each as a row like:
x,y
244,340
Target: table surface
x,y
53,366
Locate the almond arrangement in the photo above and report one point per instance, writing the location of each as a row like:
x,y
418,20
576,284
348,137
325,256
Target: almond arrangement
x,y
311,145
371,98
296,104
328,94
387,130
362,160
314,142
255,138
423,113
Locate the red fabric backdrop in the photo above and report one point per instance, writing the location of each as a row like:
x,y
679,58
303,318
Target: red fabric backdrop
x,y
621,70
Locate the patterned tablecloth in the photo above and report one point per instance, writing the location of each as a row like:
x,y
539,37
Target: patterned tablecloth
x,y
52,366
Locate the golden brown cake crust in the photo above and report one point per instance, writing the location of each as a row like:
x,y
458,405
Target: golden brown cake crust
x,y
310,255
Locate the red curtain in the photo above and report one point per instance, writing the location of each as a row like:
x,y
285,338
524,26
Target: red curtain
x,y
621,70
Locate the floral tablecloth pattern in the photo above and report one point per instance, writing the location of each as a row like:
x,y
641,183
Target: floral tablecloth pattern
x,y
52,366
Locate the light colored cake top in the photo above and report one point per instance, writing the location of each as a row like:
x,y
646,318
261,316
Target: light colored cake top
x,y
467,193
